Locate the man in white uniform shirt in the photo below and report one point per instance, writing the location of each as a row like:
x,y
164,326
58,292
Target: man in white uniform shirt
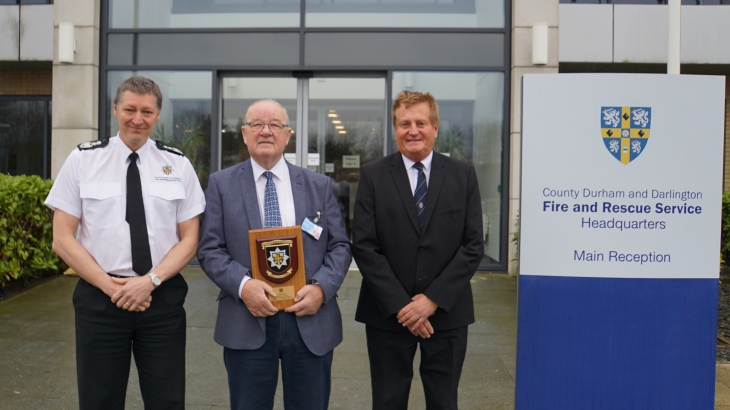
x,y
266,191
137,203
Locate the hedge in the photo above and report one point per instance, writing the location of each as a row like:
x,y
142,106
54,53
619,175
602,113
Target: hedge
x,y
725,236
26,232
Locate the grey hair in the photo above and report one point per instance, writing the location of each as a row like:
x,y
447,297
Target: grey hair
x,y
270,101
139,85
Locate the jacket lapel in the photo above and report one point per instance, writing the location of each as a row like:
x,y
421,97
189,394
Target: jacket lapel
x,y
435,181
400,177
297,190
248,192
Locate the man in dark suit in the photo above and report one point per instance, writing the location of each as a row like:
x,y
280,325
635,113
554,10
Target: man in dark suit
x,y
417,239
267,191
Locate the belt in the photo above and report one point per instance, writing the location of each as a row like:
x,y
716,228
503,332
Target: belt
x,y
120,277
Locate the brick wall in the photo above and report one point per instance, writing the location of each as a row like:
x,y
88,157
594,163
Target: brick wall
x,y
726,176
25,82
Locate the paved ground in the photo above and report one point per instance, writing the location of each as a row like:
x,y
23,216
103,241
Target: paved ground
x,y
38,366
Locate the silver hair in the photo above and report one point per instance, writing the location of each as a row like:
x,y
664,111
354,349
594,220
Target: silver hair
x,y
286,116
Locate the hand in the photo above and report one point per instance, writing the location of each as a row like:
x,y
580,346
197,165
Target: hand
x,y
255,295
416,312
425,330
134,294
307,301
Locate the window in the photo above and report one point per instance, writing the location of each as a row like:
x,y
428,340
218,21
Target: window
x,y
185,120
471,111
25,135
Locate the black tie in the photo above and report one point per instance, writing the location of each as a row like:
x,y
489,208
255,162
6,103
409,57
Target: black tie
x,y
141,257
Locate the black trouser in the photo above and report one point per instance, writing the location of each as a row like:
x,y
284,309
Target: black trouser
x,y
106,336
391,367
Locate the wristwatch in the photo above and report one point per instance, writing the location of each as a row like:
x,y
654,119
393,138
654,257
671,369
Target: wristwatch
x,y
155,279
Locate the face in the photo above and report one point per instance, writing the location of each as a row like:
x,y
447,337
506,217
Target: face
x,y
137,115
414,132
265,145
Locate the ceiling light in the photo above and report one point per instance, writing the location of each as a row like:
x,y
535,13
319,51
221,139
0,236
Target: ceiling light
x,y
343,132
336,121
332,115
340,127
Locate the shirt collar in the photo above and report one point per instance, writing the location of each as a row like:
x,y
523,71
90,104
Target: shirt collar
x,y
426,161
278,170
124,150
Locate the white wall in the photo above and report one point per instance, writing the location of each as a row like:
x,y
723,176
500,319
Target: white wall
x,y
525,13
638,34
26,33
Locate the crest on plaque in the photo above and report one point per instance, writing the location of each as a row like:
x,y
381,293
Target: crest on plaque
x,y
625,131
276,256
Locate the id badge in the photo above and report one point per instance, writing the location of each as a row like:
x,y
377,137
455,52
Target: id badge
x,y
311,228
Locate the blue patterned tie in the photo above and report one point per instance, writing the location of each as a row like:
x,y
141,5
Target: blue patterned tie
x,y
419,195
272,216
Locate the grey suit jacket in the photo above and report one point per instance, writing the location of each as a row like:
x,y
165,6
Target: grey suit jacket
x,y
231,211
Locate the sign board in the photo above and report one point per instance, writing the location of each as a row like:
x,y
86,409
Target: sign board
x,y
291,157
350,161
621,176
619,241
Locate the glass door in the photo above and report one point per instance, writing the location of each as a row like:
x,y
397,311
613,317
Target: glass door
x,y
339,124
346,129
237,94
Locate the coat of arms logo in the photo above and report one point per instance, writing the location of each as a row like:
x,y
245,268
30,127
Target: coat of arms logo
x,y
625,131
277,254
167,169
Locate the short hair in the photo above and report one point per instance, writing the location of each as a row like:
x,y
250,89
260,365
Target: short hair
x,y
409,98
286,116
139,85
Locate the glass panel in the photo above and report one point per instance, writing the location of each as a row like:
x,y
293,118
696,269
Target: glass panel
x,y
23,131
203,14
684,2
238,94
406,13
346,130
186,113
471,111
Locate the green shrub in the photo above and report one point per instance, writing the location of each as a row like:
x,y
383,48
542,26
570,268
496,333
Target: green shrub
x,y
26,232
725,232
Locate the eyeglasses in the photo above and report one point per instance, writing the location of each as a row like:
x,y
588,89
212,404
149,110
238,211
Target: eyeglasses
x,y
274,127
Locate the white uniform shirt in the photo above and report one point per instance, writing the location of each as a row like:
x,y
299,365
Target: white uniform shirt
x,y
282,183
413,172
92,186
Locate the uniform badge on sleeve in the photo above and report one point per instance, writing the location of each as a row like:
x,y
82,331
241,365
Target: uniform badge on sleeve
x,y
93,144
163,147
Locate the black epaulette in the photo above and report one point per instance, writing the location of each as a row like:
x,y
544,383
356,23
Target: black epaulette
x,y
168,148
93,144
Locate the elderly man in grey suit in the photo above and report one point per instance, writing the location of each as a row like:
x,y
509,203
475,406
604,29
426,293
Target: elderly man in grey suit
x,y
267,191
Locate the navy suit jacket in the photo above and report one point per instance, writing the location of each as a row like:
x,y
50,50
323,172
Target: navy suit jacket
x,y
231,210
398,260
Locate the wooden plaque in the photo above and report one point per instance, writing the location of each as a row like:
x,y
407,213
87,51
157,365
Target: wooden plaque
x,y
277,258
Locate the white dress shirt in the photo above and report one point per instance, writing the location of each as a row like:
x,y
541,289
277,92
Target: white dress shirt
x,y
413,172
92,186
284,195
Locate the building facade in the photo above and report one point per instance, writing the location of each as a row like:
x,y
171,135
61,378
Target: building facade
x,y
335,65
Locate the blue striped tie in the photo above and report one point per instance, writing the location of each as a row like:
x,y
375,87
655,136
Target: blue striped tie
x,y
419,195
272,216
